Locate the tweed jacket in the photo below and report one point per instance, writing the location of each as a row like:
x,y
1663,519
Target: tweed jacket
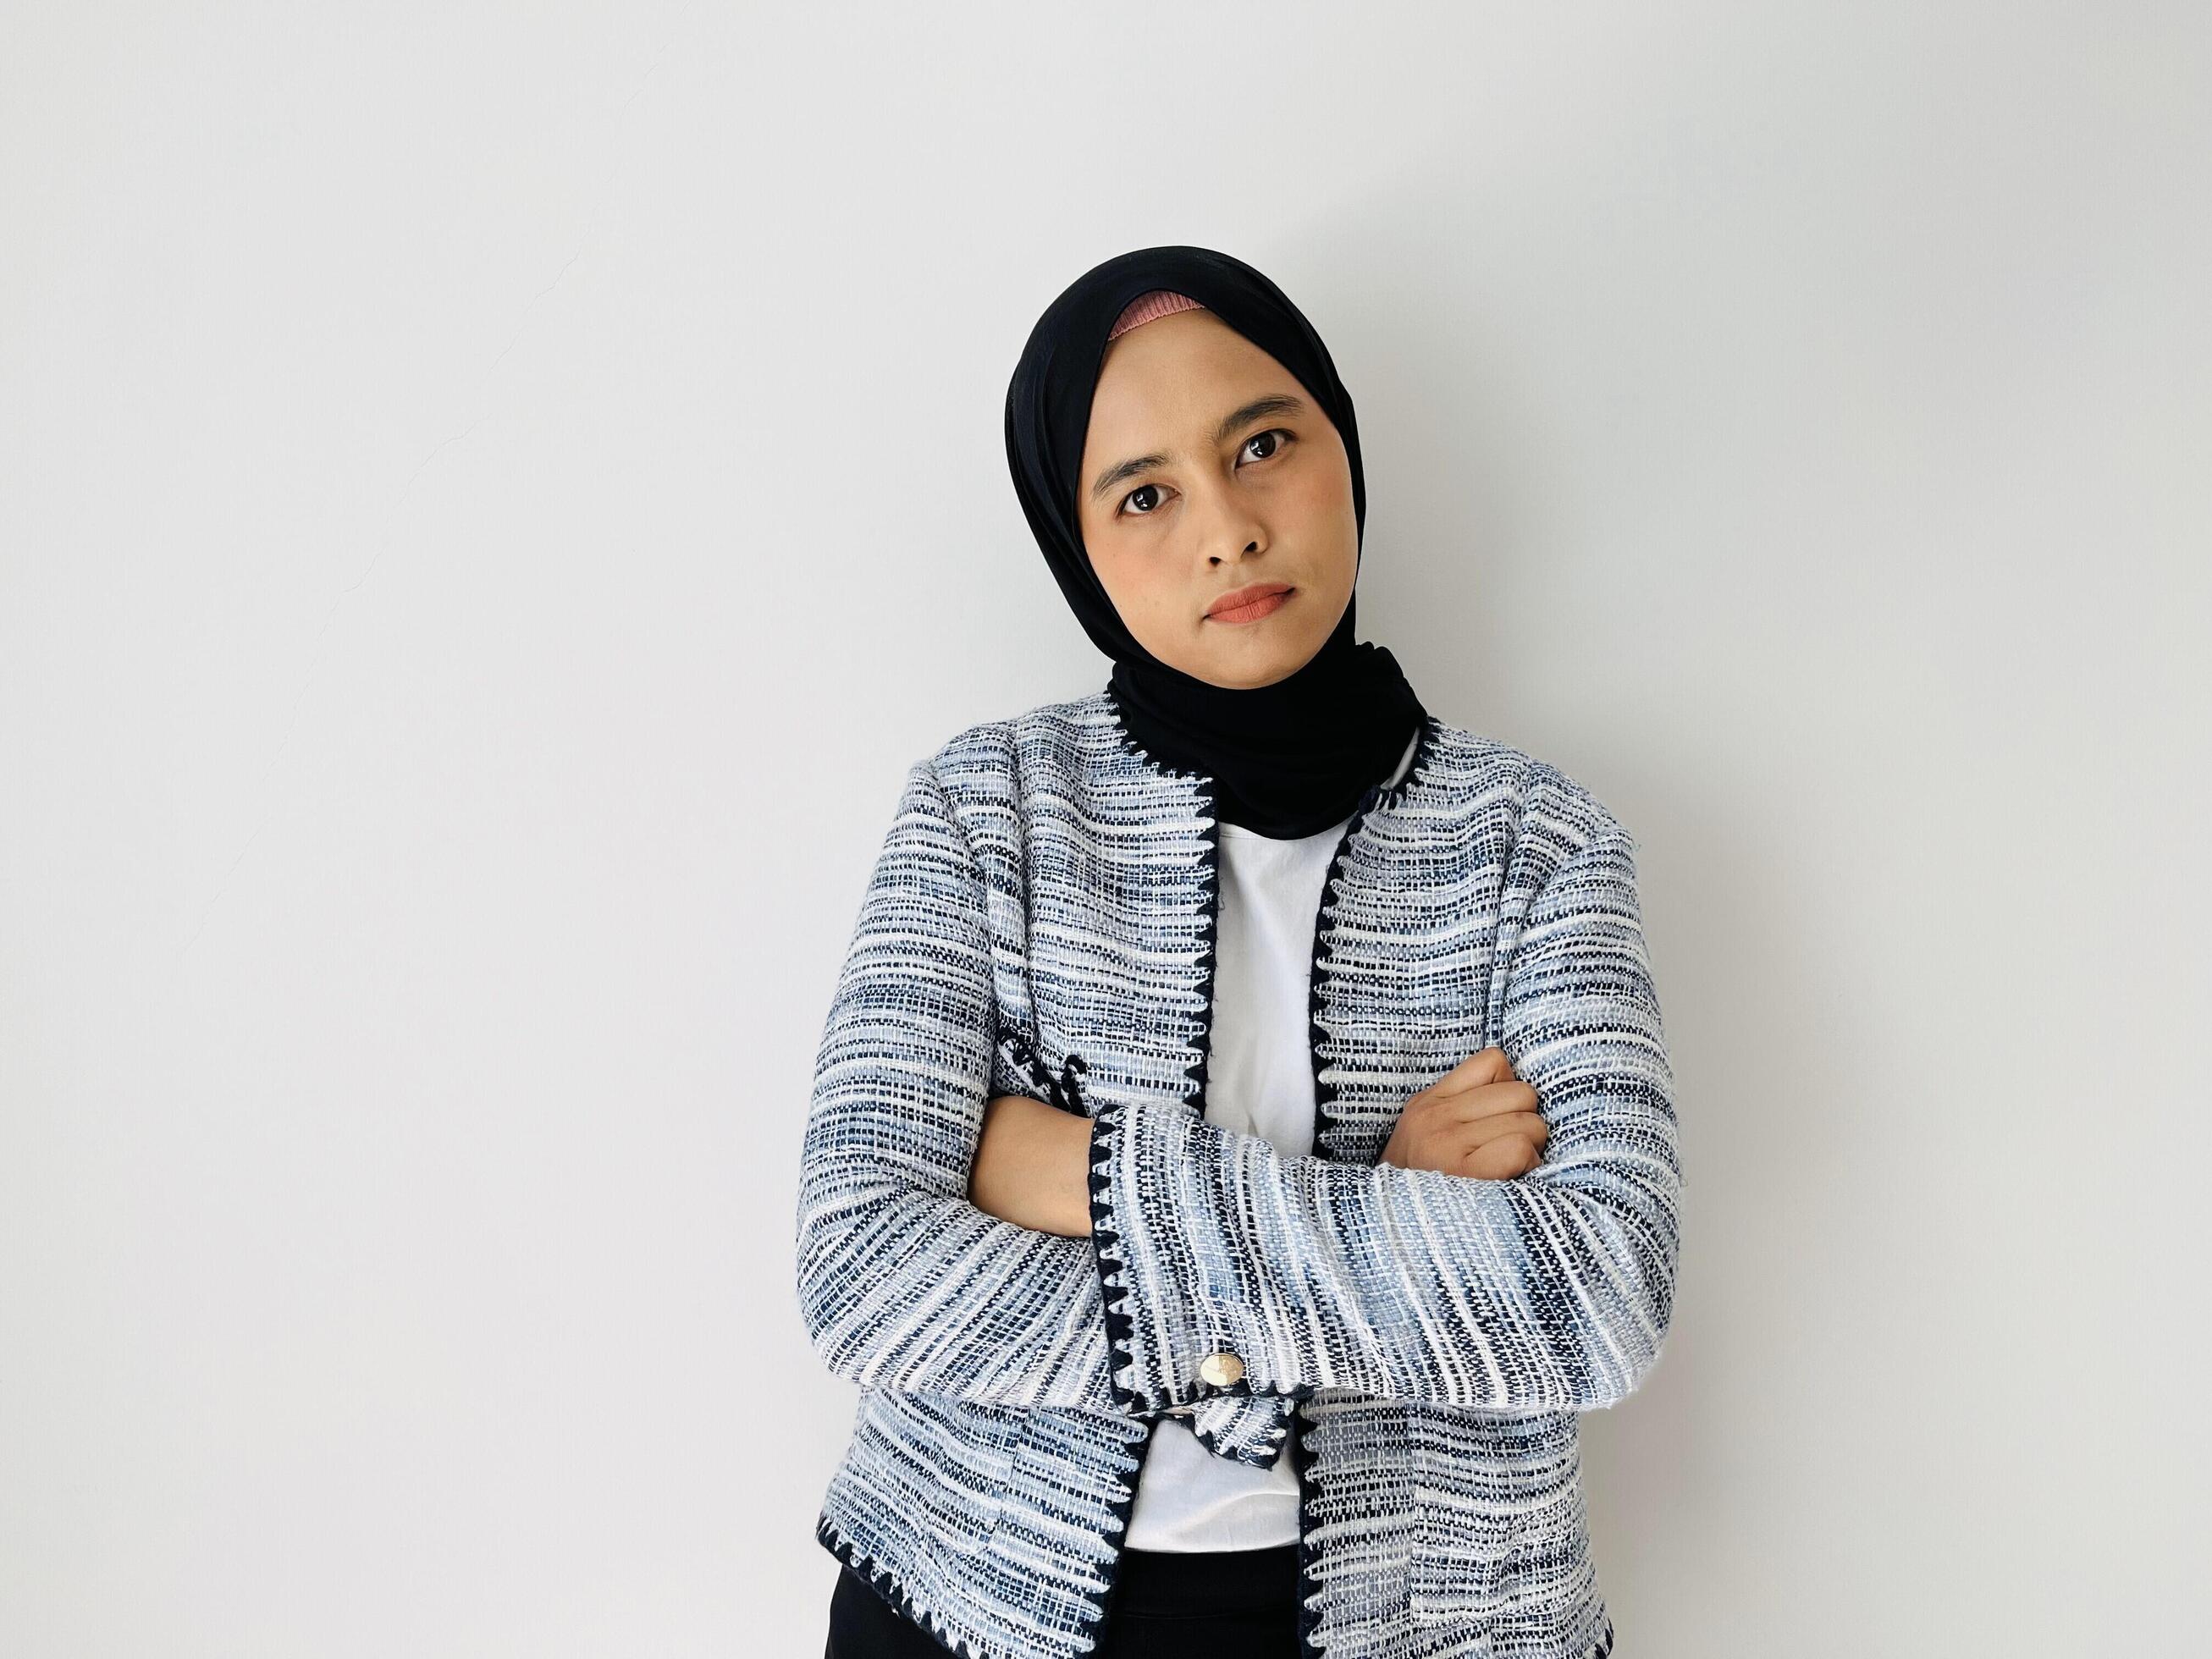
x,y
1041,920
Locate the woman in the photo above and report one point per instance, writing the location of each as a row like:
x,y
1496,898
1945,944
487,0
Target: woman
x,y
1242,1139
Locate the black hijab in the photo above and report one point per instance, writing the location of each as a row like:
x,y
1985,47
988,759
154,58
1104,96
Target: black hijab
x,y
1287,759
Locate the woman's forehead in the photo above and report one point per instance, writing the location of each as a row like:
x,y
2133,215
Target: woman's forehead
x,y
1179,364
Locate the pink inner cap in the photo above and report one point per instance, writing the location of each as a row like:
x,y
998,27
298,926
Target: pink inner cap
x,y
1148,307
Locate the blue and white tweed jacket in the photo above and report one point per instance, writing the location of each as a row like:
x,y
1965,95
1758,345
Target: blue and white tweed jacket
x,y
1041,920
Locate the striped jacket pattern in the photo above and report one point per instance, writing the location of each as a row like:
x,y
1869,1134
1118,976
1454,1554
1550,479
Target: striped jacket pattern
x,y
1041,920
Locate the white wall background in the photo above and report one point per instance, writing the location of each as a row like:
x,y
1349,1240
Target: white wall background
x,y
494,497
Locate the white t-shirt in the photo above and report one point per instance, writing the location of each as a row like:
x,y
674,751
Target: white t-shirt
x,y
1258,1081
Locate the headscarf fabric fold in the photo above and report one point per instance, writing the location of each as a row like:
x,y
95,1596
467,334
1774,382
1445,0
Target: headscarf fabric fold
x,y
1285,760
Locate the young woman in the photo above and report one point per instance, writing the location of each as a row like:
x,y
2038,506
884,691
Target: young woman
x,y
1242,1138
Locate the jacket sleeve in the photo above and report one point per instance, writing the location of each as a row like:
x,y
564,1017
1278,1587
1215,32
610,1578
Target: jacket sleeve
x,y
1548,1292
903,1282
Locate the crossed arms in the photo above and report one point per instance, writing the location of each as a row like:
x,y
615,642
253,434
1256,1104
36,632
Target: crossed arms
x,y
1551,1290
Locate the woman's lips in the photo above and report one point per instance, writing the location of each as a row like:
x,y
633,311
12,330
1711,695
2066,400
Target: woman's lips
x,y
1252,612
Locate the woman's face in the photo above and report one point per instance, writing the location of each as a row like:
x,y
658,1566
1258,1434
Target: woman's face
x,y
1207,468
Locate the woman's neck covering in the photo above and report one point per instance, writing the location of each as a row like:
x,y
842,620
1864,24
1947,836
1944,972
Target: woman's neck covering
x,y
1287,759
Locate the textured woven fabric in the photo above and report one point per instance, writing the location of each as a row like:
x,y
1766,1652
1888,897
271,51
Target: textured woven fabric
x,y
1259,1079
1041,920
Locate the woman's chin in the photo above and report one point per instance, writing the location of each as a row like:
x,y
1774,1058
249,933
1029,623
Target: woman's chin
x,y
1262,662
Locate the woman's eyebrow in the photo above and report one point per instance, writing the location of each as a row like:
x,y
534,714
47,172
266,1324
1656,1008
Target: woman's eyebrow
x,y
1275,402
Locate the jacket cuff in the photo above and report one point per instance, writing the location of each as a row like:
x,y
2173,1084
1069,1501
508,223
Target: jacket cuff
x,y
1176,1332
1252,1432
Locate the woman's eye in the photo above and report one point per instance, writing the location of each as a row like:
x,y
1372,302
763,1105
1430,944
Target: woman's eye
x,y
1270,444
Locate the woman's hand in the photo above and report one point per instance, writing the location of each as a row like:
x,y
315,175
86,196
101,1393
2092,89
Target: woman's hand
x,y
1032,1166
1477,1119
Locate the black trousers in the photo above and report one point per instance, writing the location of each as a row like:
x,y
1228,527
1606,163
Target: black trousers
x,y
1167,1604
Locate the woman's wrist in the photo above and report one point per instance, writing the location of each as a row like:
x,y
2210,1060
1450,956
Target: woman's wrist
x,y
1032,1166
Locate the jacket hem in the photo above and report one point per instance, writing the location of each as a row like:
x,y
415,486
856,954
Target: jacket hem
x,y
1308,1552
885,1584
884,1581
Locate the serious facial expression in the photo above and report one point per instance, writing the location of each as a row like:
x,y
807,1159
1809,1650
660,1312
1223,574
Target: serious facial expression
x,y
1216,502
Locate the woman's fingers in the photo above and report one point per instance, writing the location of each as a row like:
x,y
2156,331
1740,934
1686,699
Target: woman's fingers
x,y
1477,1119
1485,1065
1481,1130
1491,1100
1501,1159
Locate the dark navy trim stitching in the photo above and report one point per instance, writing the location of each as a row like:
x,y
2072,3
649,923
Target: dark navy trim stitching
x,y
881,1580
1426,749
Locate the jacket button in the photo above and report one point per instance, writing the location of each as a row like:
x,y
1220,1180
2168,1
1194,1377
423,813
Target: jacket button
x,y
1224,1370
